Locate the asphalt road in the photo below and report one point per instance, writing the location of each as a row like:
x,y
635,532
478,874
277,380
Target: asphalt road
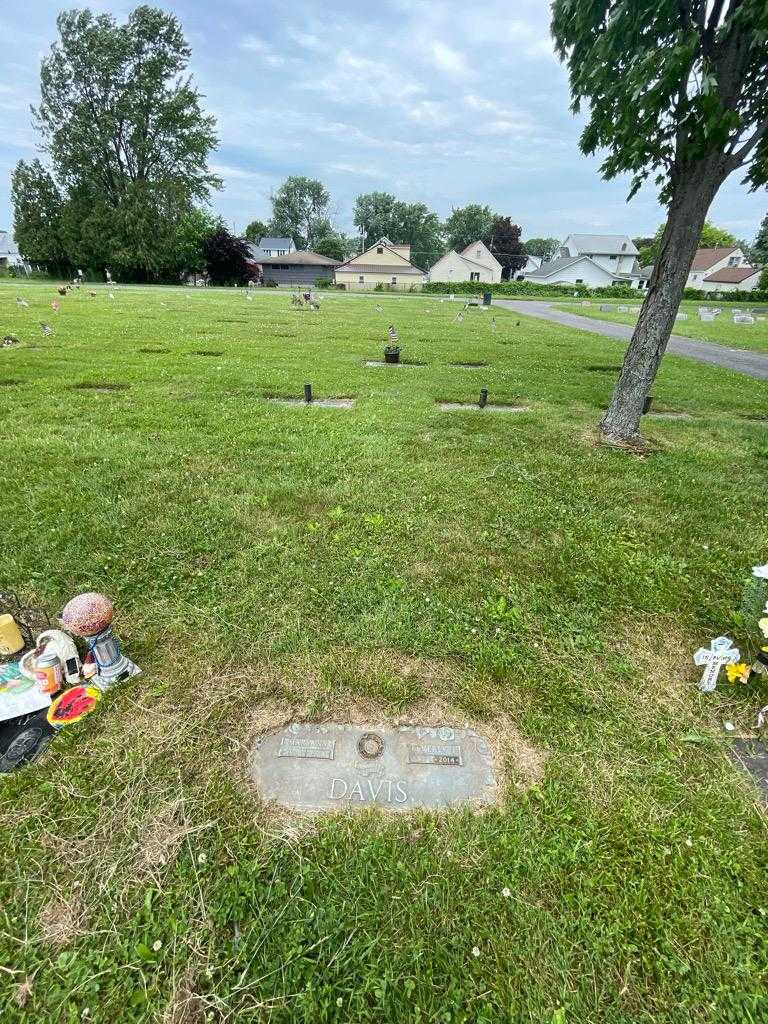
x,y
752,364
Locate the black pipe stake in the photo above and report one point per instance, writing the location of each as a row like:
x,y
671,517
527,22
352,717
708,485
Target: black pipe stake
x,y
647,404
483,398
307,392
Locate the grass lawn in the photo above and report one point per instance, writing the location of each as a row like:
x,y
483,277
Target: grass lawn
x,y
722,331
387,561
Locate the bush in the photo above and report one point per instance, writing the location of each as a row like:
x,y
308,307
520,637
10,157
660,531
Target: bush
x,y
743,298
270,283
507,288
328,282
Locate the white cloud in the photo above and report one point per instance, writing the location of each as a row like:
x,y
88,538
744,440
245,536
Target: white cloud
x,y
448,59
264,50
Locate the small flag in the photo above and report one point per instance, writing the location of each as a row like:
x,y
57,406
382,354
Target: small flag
x,y
459,317
392,333
47,331
249,296
379,309
111,295
55,306
21,302
92,294
493,323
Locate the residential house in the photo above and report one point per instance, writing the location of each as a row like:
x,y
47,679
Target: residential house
x,y
597,261
9,252
474,263
383,263
269,247
532,263
294,268
723,269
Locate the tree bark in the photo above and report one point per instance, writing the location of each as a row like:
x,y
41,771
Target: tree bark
x,y
688,210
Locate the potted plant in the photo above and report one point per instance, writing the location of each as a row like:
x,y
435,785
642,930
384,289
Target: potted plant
x,y
392,354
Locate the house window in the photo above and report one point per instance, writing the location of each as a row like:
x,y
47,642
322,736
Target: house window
x,y
394,280
281,252
380,250
477,253
361,279
734,261
579,280
474,275
614,258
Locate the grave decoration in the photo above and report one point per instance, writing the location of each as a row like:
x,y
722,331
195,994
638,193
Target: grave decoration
x,y
22,302
722,653
392,351
36,661
10,340
46,329
344,767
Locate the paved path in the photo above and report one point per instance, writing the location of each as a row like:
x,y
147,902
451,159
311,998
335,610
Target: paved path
x,y
753,364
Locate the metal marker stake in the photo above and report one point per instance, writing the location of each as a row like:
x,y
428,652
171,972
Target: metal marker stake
x,y
307,392
483,398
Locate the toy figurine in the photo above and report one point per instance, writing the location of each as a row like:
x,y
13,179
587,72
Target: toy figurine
x,y
90,616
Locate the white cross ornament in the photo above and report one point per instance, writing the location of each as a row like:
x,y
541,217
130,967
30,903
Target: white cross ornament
x,y
720,652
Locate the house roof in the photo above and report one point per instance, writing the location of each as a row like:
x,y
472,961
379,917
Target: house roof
x,y
732,275
276,243
561,263
379,268
706,258
303,257
645,272
604,245
352,265
7,244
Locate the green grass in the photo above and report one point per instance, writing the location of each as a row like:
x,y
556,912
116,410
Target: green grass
x,y
268,560
722,331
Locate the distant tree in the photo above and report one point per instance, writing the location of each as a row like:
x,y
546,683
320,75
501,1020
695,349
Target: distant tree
x,y
37,224
299,211
711,237
504,242
544,248
226,257
332,246
381,215
189,254
256,230
760,247
125,134
762,284
466,224
676,91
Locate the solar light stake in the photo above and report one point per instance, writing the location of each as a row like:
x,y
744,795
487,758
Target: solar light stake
x,y
307,392
483,398
647,404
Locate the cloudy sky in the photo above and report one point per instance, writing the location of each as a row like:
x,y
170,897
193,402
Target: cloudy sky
x,y
441,102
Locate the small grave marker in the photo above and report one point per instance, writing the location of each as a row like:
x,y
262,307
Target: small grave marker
x,y
720,652
334,767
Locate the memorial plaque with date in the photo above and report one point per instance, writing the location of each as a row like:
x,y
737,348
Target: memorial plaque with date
x,y
334,767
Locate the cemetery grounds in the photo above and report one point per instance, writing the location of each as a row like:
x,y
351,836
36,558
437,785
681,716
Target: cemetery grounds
x,y
385,562
722,330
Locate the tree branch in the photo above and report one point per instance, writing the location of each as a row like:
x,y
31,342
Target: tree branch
x,y
738,158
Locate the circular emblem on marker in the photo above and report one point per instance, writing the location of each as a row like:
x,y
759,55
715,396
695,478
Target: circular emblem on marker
x,y
370,746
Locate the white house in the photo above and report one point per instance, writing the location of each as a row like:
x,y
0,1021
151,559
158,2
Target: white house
x,y
384,263
9,252
474,263
593,260
271,247
533,263
724,269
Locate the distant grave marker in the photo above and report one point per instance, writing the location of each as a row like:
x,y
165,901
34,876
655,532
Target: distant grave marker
x,y
752,755
335,767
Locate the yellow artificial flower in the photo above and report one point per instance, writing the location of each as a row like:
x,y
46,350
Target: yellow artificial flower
x,y
738,673
763,624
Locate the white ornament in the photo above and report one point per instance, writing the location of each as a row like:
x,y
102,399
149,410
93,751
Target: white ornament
x,y
720,652
761,571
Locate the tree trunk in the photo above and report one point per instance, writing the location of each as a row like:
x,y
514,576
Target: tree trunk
x,y
687,213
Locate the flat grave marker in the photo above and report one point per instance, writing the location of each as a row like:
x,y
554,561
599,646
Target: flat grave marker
x,y
751,755
334,767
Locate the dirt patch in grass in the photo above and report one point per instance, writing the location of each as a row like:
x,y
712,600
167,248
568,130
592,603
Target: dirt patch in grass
x,y
155,351
100,386
61,921
208,352
186,1006
468,366
9,383
603,369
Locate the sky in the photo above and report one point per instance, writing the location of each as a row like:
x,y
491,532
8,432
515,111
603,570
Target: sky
x,y
445,103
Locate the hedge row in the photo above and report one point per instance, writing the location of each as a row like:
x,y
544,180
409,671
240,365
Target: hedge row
x,y
531,288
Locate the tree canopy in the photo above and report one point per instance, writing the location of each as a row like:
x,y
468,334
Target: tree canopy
x,y
380,214
226,257
466,224
711,237
544,248
333,246
504,242
300,211
256,230
760,247
126,137
37,205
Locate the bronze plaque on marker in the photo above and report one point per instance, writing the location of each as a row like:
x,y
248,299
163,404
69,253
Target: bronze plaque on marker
x,y
334,766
